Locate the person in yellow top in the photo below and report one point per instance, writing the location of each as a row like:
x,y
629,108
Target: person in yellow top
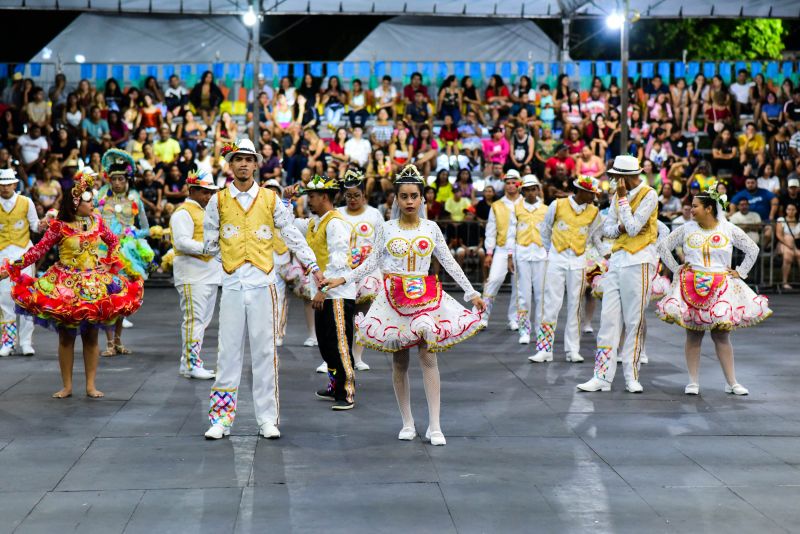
x,y
240,222
632,223
18,219
499,245
751,146
569,225
196,276
530,259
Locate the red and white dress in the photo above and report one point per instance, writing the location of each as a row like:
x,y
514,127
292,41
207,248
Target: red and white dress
x,y
411,307
703,295
367,226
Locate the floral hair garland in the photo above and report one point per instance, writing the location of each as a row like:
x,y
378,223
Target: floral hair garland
x,y
84,181
712,193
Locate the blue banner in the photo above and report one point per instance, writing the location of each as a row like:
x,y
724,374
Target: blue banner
x,y
248,71
186,71
218,69
315,68
86,70
380,69
152,70
505,69
442,70
664,71
267,69
692,70
490,69
709,69
538,69
36,69
200,68
616,69
235,70
787,69
633,69
585,69
299,70
332,68
648,69
411,68
3,70
680,70
168,71
601,68
428,69
756,68
283,70
364,71
396,70
348,70
553,69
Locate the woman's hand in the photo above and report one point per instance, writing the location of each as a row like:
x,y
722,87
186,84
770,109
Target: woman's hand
x,y
332,283
318,301
479,304
734,273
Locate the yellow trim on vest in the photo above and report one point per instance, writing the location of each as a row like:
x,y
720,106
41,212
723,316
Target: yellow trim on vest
x,y
571,229
197,214
502,220
649,233
246,236
530,232
14,227
317,237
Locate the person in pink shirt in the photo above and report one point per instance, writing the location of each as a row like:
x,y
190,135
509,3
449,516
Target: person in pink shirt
x,y
495,149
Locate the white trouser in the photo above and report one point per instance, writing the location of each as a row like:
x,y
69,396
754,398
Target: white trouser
x,y
556,279
497,275
13,330
530,277
197,305
626,293
255,312
283,305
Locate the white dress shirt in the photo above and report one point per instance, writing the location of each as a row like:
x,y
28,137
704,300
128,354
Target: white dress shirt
x,y
249,276
620,212
532,252
337,235
188,269
13,252
567,258
490,243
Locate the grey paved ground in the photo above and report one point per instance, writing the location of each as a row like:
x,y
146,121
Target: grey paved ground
x,y
525,452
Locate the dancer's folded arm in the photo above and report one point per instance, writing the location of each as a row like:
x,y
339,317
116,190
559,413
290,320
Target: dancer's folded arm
x,y
667,245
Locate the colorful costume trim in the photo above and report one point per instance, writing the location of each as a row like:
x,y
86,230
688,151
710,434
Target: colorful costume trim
x,y
545,337
222,409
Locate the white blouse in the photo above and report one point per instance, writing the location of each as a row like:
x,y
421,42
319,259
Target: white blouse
x,y
366,226
400,251
709,250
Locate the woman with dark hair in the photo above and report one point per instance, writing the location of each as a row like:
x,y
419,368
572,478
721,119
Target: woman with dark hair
x,y
497,97
84,290
562,90
334,98
523,96
120,134
114,97
359,100
449,101
412,310
206,98
470,96
706,294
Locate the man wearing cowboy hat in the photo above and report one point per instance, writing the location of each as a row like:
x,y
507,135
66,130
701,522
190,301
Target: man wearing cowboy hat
x,y
530,259
240,222
17,219
282,259
567,228
499,245
197,276
328,234
632,222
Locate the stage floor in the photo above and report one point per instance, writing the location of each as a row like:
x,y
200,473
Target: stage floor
x,y
526,452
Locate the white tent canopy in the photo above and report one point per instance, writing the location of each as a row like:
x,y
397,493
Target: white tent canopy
x,y
474,8
455,39
150,39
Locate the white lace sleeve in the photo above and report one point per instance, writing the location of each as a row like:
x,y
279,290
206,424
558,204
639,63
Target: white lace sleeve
x,y
742,241
667,245
373,260
634,222
546,229
442,253
611,222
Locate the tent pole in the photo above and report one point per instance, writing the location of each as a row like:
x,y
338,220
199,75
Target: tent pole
x,y
623,83
256,59
563,56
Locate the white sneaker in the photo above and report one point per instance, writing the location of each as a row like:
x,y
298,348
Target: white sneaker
x,y
541,357
199,373
588,329
27,350
407,433
310,342
437,438
279,342
362,365
595,384
634,387
643,359
217,432
525,339
323,368
126,323
736,389
270,431
692,389
574,357
5,350
513,325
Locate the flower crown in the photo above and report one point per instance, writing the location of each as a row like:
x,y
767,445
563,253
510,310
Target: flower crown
x,y
712,193
196,178
320,183
409,175
586,182
227,148
84,181
352,178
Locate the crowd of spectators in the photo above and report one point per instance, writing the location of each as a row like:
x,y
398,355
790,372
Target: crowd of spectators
x,y
464,135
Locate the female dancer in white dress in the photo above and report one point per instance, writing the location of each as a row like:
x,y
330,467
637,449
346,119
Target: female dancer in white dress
x,y
367,223
412,310
706,294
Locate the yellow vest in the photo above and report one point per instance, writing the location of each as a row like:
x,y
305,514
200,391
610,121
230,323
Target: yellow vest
x,y
14,228
197,213
570,229
278,244
246,236
649,233
531,219
317,238
502,219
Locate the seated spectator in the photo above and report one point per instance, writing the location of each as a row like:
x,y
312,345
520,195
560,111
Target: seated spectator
x,y
382,131
725,153
426,150
449,101
471,98
560,160
175,188
470,133
386,97
151,192
190,132
464,183
792,194
740,89
120,135
149,115
685,216
295,154
496,179
283,116
94,127
747,220
761,201
31,149
574,142
484,205
359,100
166,149
456,206
787,232
335,150
62,144
670,204
444,189
271,165
334,99
401,151
496,148
153,88
410,90
187,163
316,151
358,149
418,113
10,129
206,98
385,208
434,209
176,97
718,116
379,172
130,111
767,179
595,105
46,192
572,113
588,164
771,114
751,146
226,131
37,111
449,137
523,97
497,97
547,106
779,151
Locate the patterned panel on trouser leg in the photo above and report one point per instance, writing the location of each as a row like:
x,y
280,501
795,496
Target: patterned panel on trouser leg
x,y
602,359
545,337
9,337
331,380
223,406
524,322
193,355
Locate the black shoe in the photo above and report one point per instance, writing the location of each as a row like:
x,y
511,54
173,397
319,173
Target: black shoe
x,y
325,394
341,405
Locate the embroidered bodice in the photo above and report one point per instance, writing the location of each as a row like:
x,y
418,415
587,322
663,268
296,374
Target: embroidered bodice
x,y
366,227
709,250
122,211
402,251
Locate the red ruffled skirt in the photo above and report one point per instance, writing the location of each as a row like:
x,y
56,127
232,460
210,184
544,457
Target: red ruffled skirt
x,y
66,298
